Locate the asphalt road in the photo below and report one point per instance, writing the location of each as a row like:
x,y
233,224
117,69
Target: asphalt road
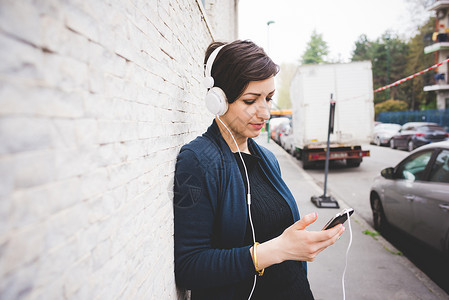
x,y
353,185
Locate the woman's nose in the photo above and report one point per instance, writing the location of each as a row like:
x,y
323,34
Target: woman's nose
x,y
263,110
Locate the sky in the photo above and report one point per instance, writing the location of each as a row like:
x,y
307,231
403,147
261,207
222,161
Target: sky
x,y
341,22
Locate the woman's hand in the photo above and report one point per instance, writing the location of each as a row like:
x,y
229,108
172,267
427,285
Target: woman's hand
x,y
296,243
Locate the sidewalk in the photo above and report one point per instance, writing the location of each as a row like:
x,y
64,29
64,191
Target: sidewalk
x,y
373,271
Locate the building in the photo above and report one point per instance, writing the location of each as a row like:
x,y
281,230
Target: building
x,y
96,99
440,48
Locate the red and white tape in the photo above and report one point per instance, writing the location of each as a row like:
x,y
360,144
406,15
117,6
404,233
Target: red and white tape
x,y
411,76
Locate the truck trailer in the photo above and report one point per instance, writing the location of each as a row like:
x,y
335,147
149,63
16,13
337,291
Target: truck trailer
x,y
351,87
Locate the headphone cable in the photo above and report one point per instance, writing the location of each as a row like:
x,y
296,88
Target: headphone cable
x,y
248,197
347,252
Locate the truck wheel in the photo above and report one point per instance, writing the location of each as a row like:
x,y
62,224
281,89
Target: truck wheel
x,y
306,164
353,163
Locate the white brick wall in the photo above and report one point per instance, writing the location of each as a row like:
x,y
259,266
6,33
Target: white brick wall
x,y
96,99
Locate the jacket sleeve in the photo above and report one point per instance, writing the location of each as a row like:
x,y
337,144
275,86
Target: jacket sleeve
x,y
198,264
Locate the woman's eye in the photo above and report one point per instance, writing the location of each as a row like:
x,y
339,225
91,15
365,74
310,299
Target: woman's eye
x,y
269,99
249,102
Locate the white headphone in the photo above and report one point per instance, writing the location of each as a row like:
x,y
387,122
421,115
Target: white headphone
x,y
216,100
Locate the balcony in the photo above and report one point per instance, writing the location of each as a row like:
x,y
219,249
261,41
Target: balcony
x,y
441,43
436,87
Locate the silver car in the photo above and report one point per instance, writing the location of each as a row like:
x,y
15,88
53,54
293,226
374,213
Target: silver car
x,y
414,196
383,133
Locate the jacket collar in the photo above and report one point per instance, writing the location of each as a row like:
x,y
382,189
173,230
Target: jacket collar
x,y
214,134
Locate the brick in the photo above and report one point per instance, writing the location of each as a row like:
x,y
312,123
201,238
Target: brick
x,y
18,284
24,134
78,20
19,19
15,100
21,247
20,60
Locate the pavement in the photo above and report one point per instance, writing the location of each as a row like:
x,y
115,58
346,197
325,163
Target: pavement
x,y
375,269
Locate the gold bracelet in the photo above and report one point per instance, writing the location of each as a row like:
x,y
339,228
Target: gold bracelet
x,y
255,260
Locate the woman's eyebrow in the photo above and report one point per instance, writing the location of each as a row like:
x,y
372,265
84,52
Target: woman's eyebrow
x,y
257,94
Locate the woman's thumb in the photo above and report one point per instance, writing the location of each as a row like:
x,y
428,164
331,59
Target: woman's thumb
x,y
306,221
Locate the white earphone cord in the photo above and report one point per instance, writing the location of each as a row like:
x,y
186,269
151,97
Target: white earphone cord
x,y
347,252
248,197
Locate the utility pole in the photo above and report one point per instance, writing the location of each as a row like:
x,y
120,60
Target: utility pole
x,y
387,46
268,52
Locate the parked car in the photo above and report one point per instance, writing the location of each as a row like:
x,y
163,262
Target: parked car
x,y
383,132
414,196
283,126
415,134
287,141
274,123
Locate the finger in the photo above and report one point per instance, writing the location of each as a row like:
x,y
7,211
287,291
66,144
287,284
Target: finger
x,y
328,242
305,221
328,234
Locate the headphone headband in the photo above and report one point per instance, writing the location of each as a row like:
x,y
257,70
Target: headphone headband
x,y
210,61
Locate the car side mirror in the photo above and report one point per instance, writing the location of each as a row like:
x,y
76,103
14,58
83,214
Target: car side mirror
x,y
387,173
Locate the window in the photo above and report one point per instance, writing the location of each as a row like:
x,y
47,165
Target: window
x,y
414,167
440,169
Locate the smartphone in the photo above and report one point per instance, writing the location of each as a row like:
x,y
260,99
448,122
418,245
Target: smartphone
x,y
339,218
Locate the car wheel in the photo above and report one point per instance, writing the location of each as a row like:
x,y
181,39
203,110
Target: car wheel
x,y
392,146
410,146
377,141
380,222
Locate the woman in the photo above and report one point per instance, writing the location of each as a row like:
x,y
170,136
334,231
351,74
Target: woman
x,y
217,250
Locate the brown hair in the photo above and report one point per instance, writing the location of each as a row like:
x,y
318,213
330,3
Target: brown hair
x,y
237,64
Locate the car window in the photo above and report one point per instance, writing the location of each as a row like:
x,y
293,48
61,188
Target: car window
x,y
413,168
440,169
427,128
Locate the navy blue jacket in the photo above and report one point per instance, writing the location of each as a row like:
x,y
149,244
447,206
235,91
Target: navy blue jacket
x,y
210,212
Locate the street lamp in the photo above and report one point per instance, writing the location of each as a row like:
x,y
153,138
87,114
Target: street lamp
x,y
387,38
268,51
268,35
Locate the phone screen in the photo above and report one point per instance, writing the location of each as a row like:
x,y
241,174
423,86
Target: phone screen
x,y
339,218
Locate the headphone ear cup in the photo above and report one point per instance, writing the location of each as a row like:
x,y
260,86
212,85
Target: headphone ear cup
x,y
216,101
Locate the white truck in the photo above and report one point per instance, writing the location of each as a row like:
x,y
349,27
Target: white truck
x,y
351,85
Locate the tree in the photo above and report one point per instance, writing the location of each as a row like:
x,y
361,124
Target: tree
x,y
388,56
316,50
285,77
362,49
417,60
390,105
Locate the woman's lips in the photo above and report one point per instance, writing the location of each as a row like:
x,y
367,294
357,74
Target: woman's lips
x,y
257,125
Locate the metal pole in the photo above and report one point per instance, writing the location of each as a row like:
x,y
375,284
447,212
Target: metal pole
x,y
329,129
268,51
387,38
323,200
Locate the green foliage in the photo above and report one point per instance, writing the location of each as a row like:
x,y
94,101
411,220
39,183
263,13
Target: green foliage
x,y
316,50
417,61
285,77
362,49
373,234
390,105
393,59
